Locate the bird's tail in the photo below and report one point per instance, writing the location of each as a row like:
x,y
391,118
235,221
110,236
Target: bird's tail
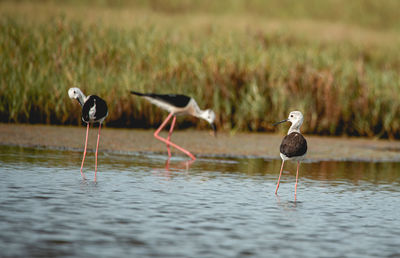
x,y
137,93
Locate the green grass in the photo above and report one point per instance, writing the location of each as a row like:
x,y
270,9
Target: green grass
x,y
251,70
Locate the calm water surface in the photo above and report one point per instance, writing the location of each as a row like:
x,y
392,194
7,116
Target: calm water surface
x,y
141,206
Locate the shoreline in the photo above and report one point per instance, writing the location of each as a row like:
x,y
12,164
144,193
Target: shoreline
x,y
200,143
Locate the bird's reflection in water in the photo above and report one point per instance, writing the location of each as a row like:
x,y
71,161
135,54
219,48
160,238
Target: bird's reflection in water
x,y
178,165
287,205
172,166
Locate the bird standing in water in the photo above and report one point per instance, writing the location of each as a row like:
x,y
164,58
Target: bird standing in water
x,y
94,110
177,105
293,146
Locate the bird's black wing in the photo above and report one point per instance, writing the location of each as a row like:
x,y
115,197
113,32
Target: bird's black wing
x,y
176,100
101,108
293,145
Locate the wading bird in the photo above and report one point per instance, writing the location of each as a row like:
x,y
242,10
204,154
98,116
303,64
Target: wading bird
x,y
94,110
294,145
177,105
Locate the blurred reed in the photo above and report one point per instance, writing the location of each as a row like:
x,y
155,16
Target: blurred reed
x,y
250,77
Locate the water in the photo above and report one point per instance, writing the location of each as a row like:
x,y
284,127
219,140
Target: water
x,y
210,208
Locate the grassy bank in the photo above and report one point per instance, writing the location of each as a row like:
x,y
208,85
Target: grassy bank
x,y
250,70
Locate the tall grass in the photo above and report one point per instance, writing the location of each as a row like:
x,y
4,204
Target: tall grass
x,y
250,77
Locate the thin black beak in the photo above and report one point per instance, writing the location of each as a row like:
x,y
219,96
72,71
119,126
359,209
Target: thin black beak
x,y
280,122
214,129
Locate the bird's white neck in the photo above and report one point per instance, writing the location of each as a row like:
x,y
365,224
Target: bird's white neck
x,y
81,98
294,129
201,114
195,110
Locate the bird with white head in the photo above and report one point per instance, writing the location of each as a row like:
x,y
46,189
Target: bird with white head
x,y
94,110
294,145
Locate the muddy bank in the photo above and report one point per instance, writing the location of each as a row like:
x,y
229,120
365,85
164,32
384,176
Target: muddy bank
x,y
199,143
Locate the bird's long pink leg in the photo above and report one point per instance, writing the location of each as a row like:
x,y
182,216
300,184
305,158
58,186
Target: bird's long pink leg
x,y
279,179
84,152
169,135
297,176
169,142
97,149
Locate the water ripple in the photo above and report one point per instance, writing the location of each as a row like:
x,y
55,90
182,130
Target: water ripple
x,y
214,208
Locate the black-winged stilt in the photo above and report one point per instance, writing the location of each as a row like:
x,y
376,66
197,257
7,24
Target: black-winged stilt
x,y
177,105
94,110
294,145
